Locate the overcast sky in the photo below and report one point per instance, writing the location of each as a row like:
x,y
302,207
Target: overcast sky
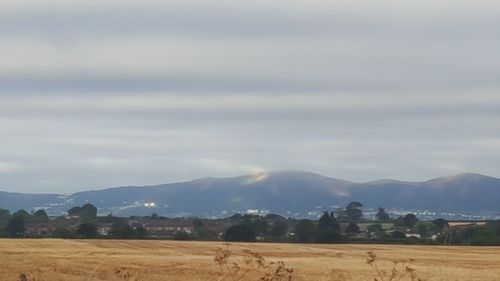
x,y
107,93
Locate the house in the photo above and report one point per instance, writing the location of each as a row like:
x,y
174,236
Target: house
x,y
413,235
104,228
38,229
65,223
465,224
165,228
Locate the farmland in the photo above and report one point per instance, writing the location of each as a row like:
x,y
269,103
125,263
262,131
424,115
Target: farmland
x,y
85,260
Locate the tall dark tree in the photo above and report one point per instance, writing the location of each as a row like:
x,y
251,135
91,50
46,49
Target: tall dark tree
x,y
352,228
4,214
140,232
4,221
328,222
330,236
17,225
260,226
279,229
87,230
240,232
382,215
328,229
305,230
353,211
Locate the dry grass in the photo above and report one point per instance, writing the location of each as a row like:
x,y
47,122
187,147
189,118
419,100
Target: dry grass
x,y
89,260
251,263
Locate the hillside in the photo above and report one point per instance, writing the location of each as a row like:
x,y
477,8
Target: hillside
x,y
287,192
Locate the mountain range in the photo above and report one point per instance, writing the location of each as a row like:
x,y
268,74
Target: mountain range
x,y
284,192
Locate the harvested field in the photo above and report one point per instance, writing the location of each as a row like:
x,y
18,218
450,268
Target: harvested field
x,y
86,260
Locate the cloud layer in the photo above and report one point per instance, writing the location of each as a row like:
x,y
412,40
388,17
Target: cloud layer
x,y
108,93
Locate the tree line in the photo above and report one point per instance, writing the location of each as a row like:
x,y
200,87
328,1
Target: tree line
x,y
340,226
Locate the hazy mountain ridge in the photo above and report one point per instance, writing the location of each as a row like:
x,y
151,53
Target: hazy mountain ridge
x,y
279,192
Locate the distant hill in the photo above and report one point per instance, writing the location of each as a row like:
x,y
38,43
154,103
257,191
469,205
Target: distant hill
x,y
287,192
15,201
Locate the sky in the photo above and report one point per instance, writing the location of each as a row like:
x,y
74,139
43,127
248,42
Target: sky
x,y
95,94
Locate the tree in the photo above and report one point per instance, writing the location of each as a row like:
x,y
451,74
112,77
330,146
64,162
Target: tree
x,y
440,224
121,229
305,230
329,229
330,236
410,220
376,231
4,221
259,225
62,233
88,211
424,228
398,235
87,230
240,232
75,211
375,228
198,223
21,213
17,223
4,214
41,215
202,232
182,235
328,222
140,232
353,211
382,215
352,228
17,226
279,229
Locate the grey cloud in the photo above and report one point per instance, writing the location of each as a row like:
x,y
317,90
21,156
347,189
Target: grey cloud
x,y
238,20
84,82
104,94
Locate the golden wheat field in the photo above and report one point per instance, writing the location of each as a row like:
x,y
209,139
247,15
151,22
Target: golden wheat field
x,y
86,260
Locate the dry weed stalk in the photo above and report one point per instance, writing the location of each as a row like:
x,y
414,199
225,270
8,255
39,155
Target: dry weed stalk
x,y
24,277
124,274
339,275
29,277
279,272
251,262
254,262
400,269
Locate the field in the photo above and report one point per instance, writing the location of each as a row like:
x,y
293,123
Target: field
x,y
86,260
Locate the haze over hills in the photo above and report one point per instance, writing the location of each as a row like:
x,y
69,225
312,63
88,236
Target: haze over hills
x,y
285,192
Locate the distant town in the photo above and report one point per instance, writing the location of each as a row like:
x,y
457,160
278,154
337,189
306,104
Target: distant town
x,y
350,224
149,207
